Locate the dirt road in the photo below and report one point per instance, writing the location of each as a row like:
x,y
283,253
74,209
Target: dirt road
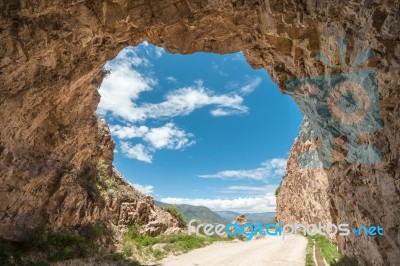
x,y
269,251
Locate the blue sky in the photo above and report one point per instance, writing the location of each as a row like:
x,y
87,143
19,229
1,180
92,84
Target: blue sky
x,y
202,129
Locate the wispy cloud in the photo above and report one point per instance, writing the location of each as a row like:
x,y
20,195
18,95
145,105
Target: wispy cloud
x,y
171,79
251,85
153,51
218,70
244,88
220,112
145,189
184,101
250,189
268,169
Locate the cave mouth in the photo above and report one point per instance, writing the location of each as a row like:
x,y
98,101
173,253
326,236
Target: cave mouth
x,y
202,129
52,54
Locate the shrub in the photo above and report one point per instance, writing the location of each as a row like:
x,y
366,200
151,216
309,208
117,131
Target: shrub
x,y
310,253
330,252
106,180
278,189
87,178
51,245
102,169
106,72
63,244
174,211
10,253
174,243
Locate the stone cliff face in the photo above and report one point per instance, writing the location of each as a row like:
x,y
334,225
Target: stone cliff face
x,y
303,195
93,194
51,56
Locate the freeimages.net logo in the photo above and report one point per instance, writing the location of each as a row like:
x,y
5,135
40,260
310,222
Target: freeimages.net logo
x,y
340,104
249,230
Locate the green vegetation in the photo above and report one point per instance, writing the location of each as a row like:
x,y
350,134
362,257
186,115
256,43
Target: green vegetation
x,y
87,179
150,248
329,251
278,189
201,214
52,245
174,211
96,178
62,245
204,215
106,72
104,178
47,246
345,261
310,253
119,259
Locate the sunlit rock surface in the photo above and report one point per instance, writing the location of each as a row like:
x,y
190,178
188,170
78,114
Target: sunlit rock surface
x,y
51,56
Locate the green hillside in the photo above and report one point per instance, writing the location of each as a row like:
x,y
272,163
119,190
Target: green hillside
x,y
200,213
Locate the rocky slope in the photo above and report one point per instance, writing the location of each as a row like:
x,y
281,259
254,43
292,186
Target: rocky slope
x,y
94,194
52,53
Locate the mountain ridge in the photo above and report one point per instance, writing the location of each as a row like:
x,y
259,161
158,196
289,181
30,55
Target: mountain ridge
x,y
206,215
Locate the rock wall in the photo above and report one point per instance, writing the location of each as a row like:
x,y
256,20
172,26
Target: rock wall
x,y
303,195
52,53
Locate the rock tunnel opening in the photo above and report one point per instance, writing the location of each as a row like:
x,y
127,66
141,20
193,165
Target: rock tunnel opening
x,y
51,57
201,129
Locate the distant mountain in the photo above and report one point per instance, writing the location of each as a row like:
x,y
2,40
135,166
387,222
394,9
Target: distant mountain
x,y
228,215
205,215
200,213
161,204
264,217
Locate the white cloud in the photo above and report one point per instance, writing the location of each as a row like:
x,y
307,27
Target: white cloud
x,y
171,79
250,189
120,92
123,85
153,51
251,86
159,51
268,169
166,137
121,89
138,152
145,189
223,112
242,204
184,101
128,132
248,87
169,137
